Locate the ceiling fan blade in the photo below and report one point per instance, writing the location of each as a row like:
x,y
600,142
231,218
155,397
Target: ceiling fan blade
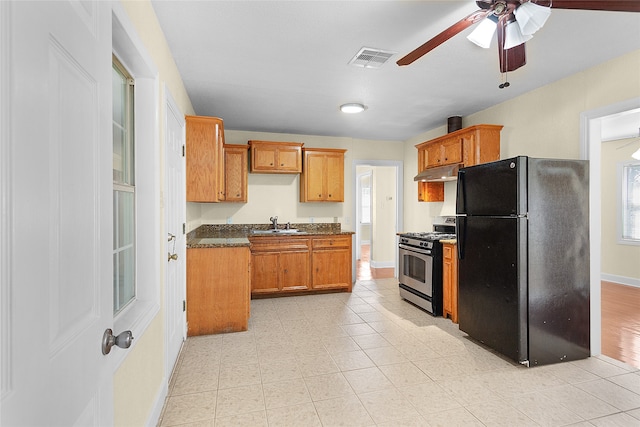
x,y
510,59
613,5
443,37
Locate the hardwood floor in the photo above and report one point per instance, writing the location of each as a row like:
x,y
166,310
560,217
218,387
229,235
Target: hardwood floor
x,y
621,322
364,270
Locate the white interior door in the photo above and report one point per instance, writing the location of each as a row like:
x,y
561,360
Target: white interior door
x,y
57,161
175,278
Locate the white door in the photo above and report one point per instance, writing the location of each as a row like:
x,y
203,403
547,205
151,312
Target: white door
x,y
57,213
175,278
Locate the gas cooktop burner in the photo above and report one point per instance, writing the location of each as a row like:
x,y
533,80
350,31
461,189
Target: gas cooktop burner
x,y
429,236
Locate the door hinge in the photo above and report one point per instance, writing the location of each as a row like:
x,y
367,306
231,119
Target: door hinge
x,y
183,150
184,305
184,228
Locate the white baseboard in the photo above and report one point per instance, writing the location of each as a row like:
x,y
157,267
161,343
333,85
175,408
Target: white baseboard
x,y
382,264
629,281
154,417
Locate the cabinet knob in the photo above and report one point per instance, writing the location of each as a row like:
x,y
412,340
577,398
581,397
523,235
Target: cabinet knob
x,y
281,164
319,195
329,195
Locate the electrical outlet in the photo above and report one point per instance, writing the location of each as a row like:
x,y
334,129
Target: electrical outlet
x,y
229,220
311,220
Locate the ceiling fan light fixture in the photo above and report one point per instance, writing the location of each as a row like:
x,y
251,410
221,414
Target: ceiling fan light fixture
x,y
513,36
531,17
352,108
483,33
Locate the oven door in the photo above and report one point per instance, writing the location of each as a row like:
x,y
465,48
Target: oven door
x,y
416,269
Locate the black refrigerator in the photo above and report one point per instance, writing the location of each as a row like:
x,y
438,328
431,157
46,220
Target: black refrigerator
x,y
523,254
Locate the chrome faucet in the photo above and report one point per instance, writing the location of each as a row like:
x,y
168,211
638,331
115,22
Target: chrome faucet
x,y
274,221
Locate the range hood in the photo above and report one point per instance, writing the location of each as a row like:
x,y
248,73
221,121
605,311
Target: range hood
x,y
439,173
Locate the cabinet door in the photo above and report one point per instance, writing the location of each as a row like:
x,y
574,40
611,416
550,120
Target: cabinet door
x,y
203,158
452,151
217,290
289,159
450,281
264,158
447,282
235,166
315,177
294,267
335,178
433,154
331,268
331,262
265,272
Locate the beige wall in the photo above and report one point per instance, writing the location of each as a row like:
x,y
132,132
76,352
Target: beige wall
x,y
279,194
618,260
138,380
541,123
383,249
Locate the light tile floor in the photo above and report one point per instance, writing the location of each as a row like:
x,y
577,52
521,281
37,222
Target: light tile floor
x,y
371,359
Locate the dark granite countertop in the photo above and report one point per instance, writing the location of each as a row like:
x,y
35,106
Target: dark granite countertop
x,y
233,235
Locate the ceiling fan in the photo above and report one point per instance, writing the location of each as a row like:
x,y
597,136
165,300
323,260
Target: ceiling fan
x,y
515,21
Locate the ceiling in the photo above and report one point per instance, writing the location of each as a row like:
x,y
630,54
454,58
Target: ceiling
x,y
282,66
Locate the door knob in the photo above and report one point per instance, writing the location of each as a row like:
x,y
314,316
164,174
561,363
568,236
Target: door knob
x,y
123,340
172,257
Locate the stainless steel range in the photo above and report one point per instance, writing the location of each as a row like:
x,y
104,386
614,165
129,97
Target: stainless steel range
x,y
420,266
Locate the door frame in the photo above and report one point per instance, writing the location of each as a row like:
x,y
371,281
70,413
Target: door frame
x,y
398,165
590,149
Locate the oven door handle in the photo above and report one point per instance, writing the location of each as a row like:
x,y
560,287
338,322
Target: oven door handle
x,y
415,250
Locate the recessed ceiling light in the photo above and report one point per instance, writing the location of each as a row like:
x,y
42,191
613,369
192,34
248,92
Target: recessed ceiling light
x,y
352,107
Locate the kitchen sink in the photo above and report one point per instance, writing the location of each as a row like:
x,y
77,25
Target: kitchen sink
x,y
278,231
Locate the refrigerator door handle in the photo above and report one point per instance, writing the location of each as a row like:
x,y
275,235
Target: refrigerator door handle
x,y
461,226
461,199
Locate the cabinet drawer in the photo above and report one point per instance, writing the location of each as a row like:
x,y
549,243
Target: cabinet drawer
x,y
331,242
271,244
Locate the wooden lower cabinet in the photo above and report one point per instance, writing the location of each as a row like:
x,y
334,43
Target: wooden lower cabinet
x,y
279,265
331,263
218,290
450,281
300,264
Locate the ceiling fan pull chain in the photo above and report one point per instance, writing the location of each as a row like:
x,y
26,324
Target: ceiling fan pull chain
x,y
505,82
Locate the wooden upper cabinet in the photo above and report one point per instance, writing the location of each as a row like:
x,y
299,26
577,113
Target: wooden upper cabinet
x,y
204,157
322,178
276,157
236,166
470,146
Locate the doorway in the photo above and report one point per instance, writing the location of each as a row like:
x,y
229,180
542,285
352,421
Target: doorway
x,y
591,149
377,216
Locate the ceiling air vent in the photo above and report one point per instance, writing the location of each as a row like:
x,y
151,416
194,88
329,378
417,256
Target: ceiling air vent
x,y
371,58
